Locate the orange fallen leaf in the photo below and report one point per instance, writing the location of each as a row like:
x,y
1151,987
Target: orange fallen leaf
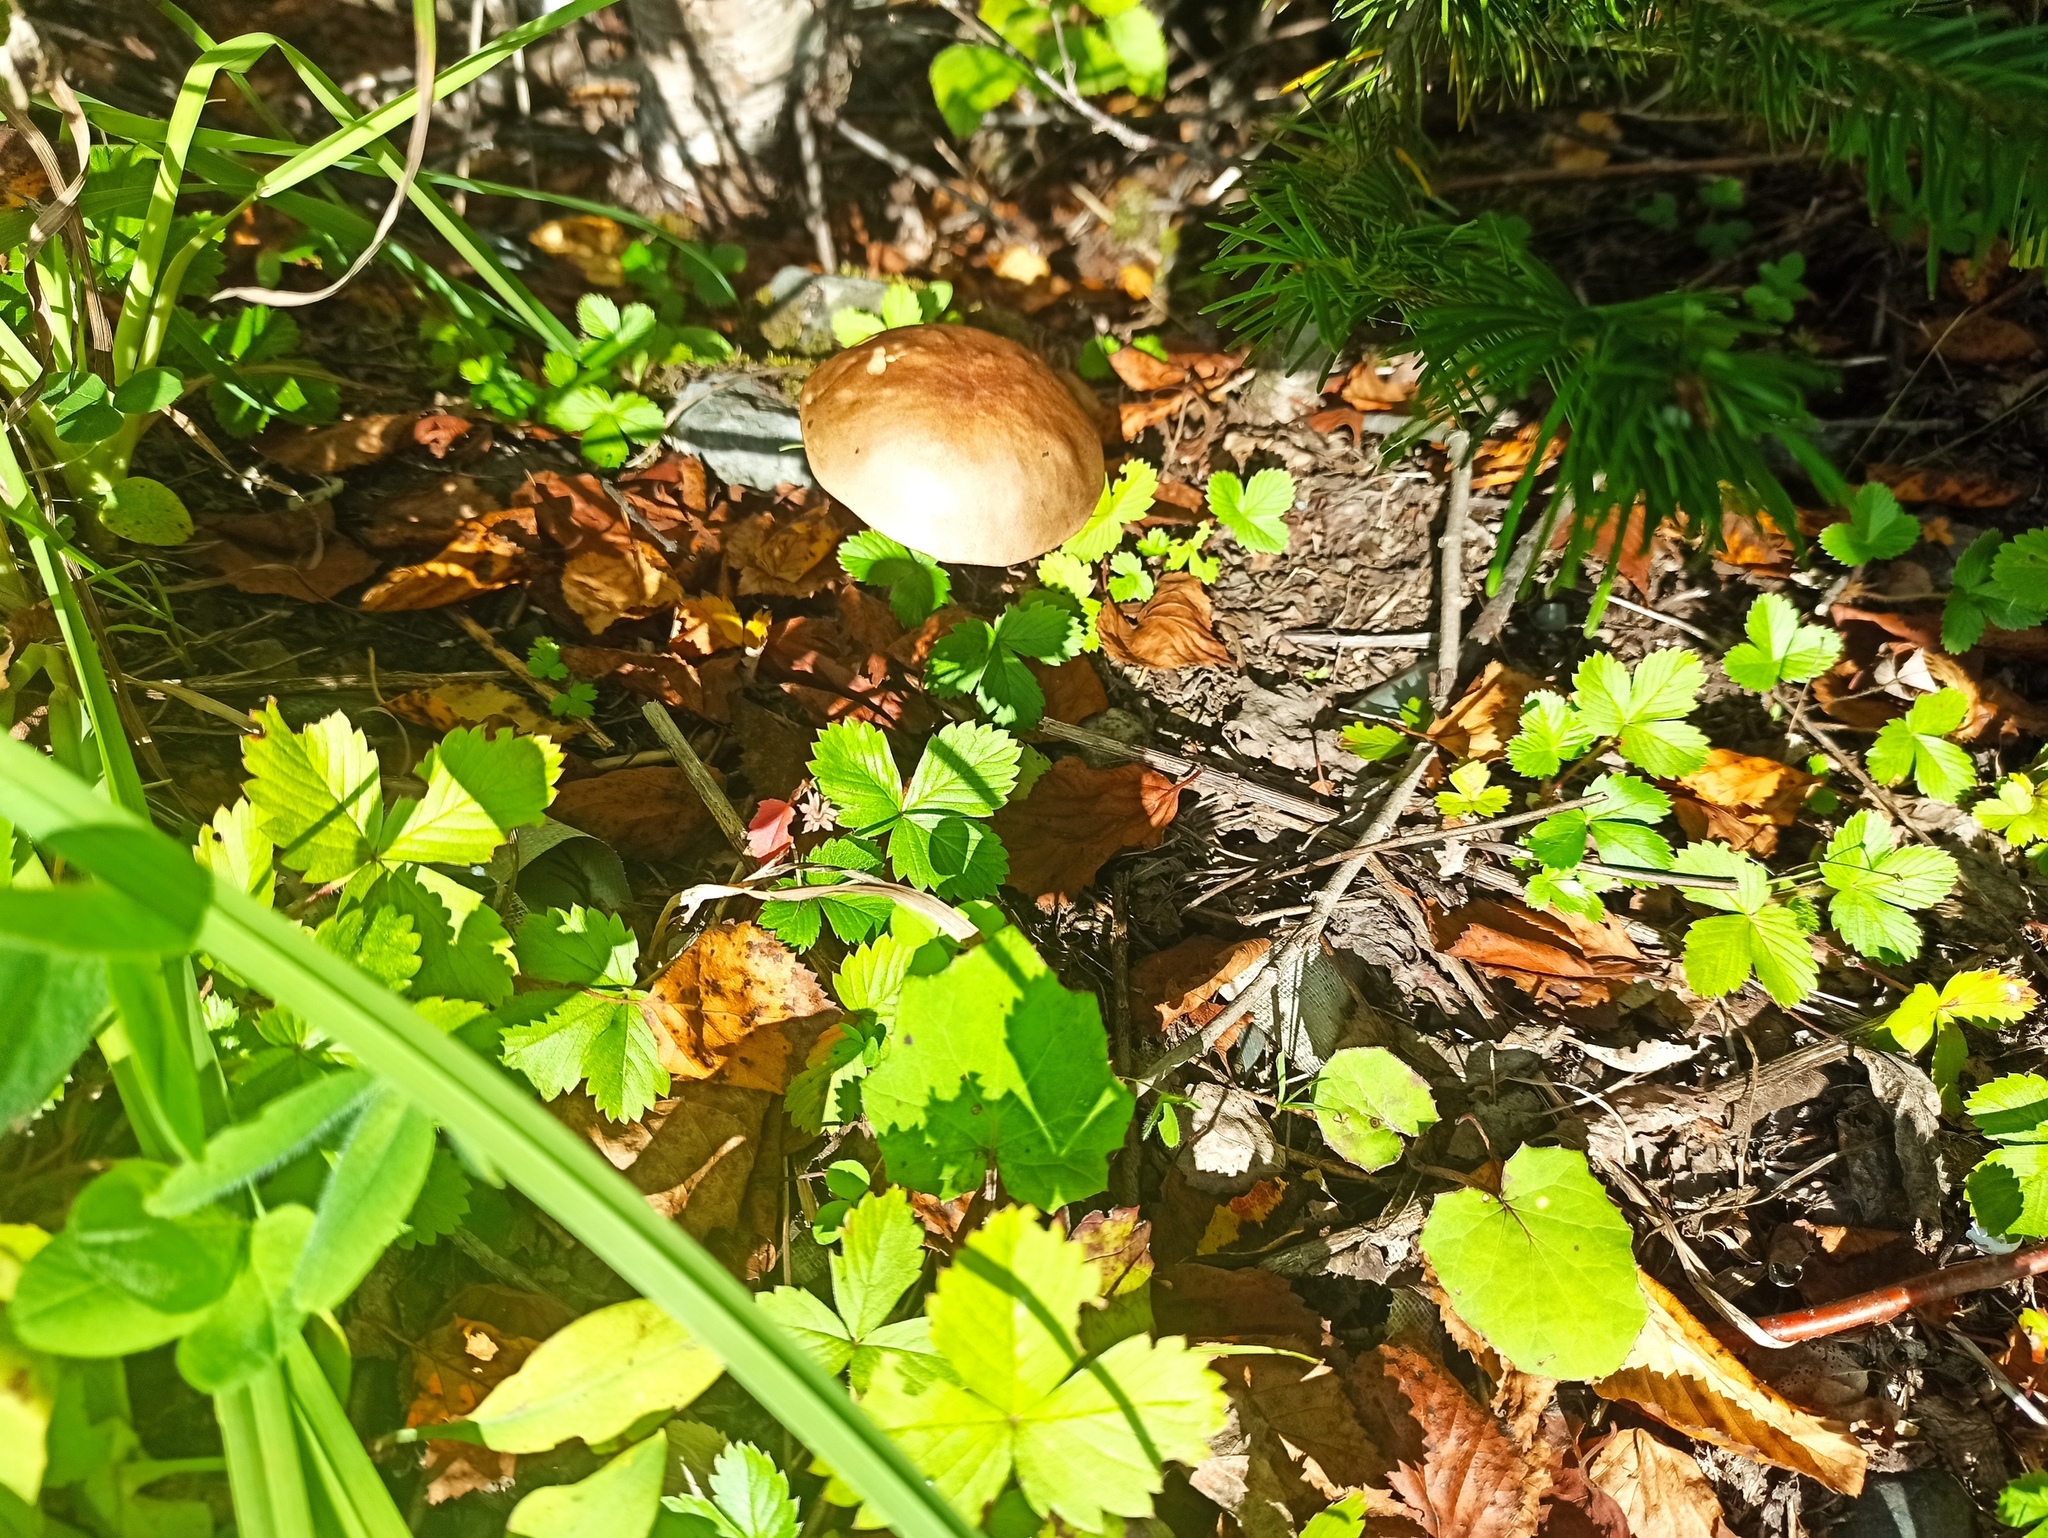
x,y
604,586
787,558
491,1332
649,813
1501,461
1375,383
1480,721
22,178
668,491
1981,339
1954,488
427,518
464,703
1141,371
1555,956
708,624
738,1003
437,433
1752,545
479,559
1021,264
1172,630
1134,418
1679,1373
1741,800
1135,280
708,690
1333,419
1076,818
589,242
575,511
1175,989
1073,690
1473,1481
297,555
345,445
1660,1489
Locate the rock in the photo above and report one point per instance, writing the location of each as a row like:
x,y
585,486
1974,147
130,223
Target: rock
x,y
1229,1148
744,428
1926,1503
805,303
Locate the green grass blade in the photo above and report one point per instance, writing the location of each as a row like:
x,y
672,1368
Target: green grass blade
x,y
347,1476
537,1153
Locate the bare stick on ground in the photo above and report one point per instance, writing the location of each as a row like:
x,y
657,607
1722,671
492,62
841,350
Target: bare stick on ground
x,y
1882,1303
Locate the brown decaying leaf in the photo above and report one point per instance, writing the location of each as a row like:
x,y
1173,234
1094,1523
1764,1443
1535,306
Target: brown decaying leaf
x,y
489,1335
1076,818
1473,1482
1574,1508
1135,418
787,556
1969,338
706,625
1752,545
22,178
437,433
1073,690
1480,721
463,703
1375,383
1242,1305
1141,371
708,689
693,1155
1658,1487
1501,461
1953,488
1176,988
1555,956
296,555
737,1004
670,492
850,680
1741,800
650,813
425,519
604,586
1305,1405
1637,553
484,555
1172,630
575,511
1679,1373
345,445
589,242
2025,1358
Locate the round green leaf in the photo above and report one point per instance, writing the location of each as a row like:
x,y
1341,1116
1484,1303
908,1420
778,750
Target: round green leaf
x,y
1365,1098
1545,1271
146,511
150,390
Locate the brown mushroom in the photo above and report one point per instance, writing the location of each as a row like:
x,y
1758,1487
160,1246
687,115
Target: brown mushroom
x,y
954,442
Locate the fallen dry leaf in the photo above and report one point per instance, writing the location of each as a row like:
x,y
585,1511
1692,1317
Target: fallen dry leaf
x,y
1141,371
1375,383
461,702
589,242
2025,1358
345,445
297,555
1501,461
1238,1304
425,519
1573,1508
436,433
1741,800
649,813
1997,713
482,557
1076,818
1834,1261
1172,629
1021,264
604,586
738,1003
1305,1405
1135,418
1953,488
1332,419
1177,988
1659,1488
1480,721
1555,956
708,690
1073,690
1638,554
575,511
709,624
1969,338
1135,280
1679,1373
488,1337
768,830
786,558
22,178
693,1155
1473,1482
668,492
824,669
1751,545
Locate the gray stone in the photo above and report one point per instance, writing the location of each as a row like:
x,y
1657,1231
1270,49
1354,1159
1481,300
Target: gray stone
x,y
806,302
1926,1503
744,428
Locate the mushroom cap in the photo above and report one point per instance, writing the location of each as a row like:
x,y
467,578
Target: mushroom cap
x,y
954,442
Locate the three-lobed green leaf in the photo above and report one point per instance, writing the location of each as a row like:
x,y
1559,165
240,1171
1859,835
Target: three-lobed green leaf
x,y
1780,650
1917,744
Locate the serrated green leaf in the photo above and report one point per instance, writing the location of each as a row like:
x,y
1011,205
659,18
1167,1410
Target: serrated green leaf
x,y
1256,512
967,770
1374,743
992,1060
234,847
1981,998
2019,571
1125,502
854,770
900,306
880,1257
1470,795
479,788
1978,599
1755,934
918,585
1551,1234
1366,1099
1552,734
317,793
1644,710
1130,582
1876,886
1916,744
2016,809
1877,528
852,326
559,1039
1780,649
582,947
749,1497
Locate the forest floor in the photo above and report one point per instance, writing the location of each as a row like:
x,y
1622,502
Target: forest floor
x,y
400,565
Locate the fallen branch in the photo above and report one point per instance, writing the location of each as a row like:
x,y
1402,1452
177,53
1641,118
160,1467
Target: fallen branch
x,y
953,923
1882,1303
709,791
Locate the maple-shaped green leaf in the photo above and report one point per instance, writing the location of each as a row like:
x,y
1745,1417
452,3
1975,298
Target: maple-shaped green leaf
x,y
1916,744
1645,710
1470,795
749,1496
1545,1270
2008,1190
2017,809
479,788
1977,598
1621,827
1877,887
1013,1394
1551,735
1373,743
918,586
1366,1099
1121,504
1877,528
1255,510
1753,934
316,793
879,1258
993,1061
1780,650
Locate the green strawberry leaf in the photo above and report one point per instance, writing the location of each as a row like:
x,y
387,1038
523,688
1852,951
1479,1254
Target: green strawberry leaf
x,y
479,788
1645,710
969,81
1551,735
918,585
582,947
561,1038
992,1061
1256,512
2016,809
967,770
1981,998
1130,582
316,792
1780,650
854,771
1551,1233
1125,502
1877,887
1470,795
1977,599
1374,743
749,1497
1366,1099
1916,744
1877,528
1753,934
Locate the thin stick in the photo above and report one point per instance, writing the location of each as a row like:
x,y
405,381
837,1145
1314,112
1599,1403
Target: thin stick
x,y
512,664
1619,168
1493,618
1666,619
1313,813
709,791
1389,640
815,214
903,165
1882,1303
1450,604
